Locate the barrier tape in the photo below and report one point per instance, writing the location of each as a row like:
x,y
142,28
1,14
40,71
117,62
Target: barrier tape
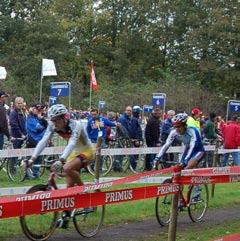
x,y
54,201
7,153
12,205
76,197
234,170
187,180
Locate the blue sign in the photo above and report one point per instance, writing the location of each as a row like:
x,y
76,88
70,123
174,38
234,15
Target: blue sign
x,y
158,100
102,105
147,108
52,100
234,106
60,89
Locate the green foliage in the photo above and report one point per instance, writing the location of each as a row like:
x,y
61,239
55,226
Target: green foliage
x,y
138,47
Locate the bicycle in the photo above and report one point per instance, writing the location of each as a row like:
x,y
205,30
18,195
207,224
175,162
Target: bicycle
x,y
15,166
123,140
87,221
195,200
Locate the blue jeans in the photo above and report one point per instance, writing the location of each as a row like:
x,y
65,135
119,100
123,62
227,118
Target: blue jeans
x,y
1,140
236,158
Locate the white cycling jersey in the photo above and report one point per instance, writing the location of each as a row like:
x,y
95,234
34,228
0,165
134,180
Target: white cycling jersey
x,y
76,135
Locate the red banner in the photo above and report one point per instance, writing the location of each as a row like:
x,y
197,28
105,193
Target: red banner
x,y
61,200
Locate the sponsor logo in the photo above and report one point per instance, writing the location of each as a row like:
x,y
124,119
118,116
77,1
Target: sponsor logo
x,y
1,211
221,170
200,180
167,189
36,196
118,196
235,178
97,186
56,204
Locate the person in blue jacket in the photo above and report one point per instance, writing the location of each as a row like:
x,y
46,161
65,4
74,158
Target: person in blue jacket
x,y
36,125
96,126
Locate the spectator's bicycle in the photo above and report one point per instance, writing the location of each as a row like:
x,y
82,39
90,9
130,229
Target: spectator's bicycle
x,y
194,198
87,221
106,164
125,161
15,166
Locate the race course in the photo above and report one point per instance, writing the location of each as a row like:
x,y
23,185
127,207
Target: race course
x,y
150,230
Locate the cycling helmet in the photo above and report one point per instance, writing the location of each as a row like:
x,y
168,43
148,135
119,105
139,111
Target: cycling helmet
x,y
57,110
137,109
179,119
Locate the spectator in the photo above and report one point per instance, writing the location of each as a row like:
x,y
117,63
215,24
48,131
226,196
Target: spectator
x,y
17,120
36,125
96,126
135,133
209,129
152,135
125,119
124,132
110,131
231,134
3,119
165,131
194,119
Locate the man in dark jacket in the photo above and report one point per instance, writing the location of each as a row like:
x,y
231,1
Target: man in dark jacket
x,y
3,119
152,135
135,133
17,120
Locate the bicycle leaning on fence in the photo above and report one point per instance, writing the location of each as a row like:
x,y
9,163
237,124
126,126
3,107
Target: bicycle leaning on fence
x,y
14,166
87,221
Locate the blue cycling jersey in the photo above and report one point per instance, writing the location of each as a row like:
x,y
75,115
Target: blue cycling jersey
x,y
192,141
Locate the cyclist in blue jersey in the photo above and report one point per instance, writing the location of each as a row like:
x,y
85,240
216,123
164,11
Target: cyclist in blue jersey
x,y
190,137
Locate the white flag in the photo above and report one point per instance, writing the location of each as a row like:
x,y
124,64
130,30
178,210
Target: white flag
x,y
3,73
48,67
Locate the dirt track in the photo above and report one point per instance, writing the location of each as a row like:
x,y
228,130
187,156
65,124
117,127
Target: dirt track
x,y
135,231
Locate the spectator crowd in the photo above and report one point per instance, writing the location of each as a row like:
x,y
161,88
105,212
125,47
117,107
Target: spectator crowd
x,y
27,125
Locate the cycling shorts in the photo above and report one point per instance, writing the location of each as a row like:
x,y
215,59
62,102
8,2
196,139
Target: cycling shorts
x,y
86,153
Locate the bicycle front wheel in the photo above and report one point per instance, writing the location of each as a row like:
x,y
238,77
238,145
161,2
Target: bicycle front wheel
x,y
139,166
16,168
88,221
163,209
41,226
198,202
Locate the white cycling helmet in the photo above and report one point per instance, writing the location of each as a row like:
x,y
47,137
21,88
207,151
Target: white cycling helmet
x,y
179,119
57,110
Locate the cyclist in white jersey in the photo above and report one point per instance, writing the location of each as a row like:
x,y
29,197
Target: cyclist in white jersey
x,y
79,150
190,137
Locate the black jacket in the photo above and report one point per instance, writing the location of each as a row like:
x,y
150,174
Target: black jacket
x,y
3,121
152,131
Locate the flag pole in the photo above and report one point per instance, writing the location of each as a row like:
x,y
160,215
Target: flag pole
x,y
90,97
40,99
90,101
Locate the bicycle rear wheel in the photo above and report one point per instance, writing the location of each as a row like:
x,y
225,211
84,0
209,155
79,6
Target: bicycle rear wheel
x,y
198,202
41,226
16,168
105,166
88,221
